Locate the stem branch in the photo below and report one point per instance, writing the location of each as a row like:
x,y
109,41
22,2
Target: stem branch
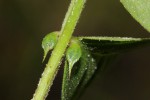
x,y
52,66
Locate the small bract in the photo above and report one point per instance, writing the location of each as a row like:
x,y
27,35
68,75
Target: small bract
x,y
49,42
73,53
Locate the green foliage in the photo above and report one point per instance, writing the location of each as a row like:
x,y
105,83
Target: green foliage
x,y
81,74
80,62
113,45
140,10
102,47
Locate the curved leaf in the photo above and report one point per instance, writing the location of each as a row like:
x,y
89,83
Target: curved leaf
x,y
82,73
140,10
97,52
113,45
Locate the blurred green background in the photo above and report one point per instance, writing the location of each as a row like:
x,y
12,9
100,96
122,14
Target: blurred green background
x,y
23,24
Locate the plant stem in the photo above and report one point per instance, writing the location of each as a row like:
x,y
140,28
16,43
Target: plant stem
x,y
53,64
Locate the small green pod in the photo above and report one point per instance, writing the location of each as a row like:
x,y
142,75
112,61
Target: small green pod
x,y
49,42
73,53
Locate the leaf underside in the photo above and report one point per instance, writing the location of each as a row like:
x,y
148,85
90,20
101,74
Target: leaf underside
x,y
140,10
113,45
97,52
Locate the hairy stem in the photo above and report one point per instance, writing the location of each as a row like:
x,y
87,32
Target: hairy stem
x,y
52,66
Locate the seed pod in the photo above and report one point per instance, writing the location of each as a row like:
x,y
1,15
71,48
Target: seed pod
x,y
73,53
49,42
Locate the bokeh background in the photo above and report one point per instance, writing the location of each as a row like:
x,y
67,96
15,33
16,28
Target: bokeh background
x,y
23,24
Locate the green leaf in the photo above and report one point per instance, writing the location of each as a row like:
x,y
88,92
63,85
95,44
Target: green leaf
x,y
97,53
82,72
49,42
140,10
113,45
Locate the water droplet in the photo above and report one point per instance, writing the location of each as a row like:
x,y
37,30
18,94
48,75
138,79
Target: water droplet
x,y
88,55
95,67
92,60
